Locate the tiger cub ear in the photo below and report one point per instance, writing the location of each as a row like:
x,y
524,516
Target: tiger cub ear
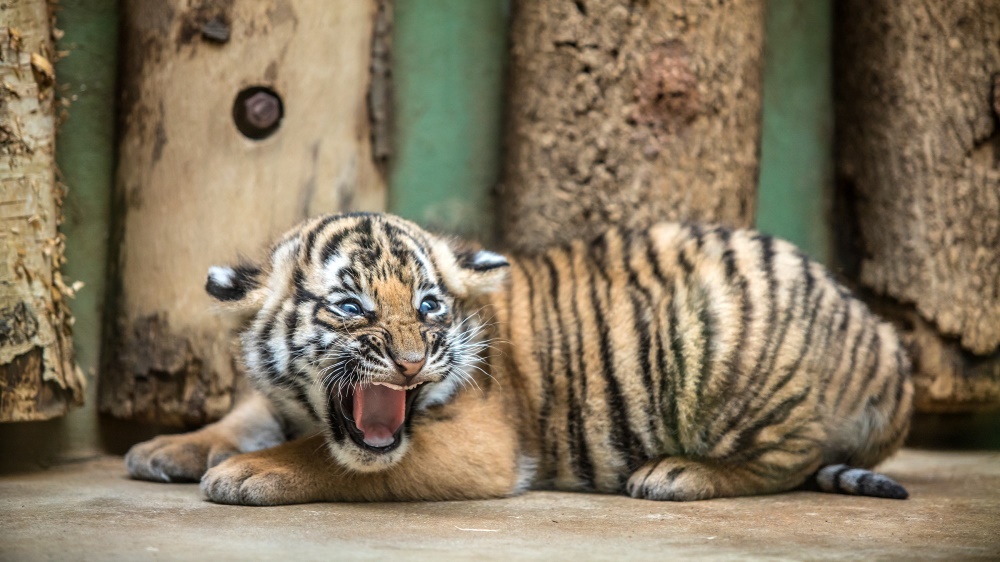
x,y
234,285
471,272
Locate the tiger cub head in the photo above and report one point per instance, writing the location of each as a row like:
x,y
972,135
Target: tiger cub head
x,y
358,321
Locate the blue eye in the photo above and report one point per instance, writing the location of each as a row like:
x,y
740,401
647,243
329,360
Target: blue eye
x,y
350,307
428,305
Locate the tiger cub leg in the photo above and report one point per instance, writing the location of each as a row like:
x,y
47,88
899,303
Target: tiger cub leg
x,y
250,426
771,468
467,450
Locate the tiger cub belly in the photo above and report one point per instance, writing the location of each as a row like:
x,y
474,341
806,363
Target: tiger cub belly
x,y
727,349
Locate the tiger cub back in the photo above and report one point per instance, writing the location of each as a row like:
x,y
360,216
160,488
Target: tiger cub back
x,y
685,362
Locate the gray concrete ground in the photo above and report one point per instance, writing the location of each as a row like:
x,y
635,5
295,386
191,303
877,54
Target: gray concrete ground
x,y
91,511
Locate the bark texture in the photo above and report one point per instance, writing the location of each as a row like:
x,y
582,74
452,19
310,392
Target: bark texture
x,y
192,191
918,174
38,377
621,111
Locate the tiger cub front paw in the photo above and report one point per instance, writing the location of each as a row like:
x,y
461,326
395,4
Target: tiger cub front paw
x,y
254,479
178,458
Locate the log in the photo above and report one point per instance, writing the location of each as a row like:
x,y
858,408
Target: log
x,y
622,112
238,120
39,379
918,180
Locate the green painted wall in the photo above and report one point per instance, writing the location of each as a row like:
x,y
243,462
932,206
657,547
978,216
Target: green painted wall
x,y
447,72
85,155
796,150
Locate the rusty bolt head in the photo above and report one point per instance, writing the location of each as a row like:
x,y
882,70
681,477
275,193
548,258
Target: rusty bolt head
x,y
257,112
263,110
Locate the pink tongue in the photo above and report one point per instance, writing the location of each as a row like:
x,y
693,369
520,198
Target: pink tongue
x,y
378,413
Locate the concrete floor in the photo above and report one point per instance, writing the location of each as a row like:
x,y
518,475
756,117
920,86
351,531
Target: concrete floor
x,y
91,511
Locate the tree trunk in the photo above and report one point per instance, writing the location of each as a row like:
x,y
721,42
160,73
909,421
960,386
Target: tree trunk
x,y
623,111
208,172
38,377
918,178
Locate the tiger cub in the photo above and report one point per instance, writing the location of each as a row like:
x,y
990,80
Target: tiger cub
x,y
678,362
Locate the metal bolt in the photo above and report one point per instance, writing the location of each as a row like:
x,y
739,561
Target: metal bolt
x,y
263,110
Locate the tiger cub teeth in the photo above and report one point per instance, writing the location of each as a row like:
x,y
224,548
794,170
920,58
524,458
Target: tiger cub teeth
x,y
398,387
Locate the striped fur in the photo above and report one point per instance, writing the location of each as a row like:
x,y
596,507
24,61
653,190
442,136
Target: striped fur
x,y
679,362
685,362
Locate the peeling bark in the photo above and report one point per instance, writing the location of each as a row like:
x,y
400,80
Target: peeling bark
x,y
625,111
918,177
38,377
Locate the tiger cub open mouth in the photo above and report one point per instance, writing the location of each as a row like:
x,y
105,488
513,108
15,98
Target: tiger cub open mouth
x,y
374,414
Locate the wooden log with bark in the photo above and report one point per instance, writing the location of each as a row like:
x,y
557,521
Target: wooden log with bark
x,y
238,120
623,111
38,377
918,182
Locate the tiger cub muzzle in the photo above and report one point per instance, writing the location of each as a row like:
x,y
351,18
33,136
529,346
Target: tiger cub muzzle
x,y
374,411
374,415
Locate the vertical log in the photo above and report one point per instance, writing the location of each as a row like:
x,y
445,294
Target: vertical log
x,y
624,111
918,178
211,168
38,377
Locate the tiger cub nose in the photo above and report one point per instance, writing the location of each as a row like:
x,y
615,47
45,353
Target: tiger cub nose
x,y
408,367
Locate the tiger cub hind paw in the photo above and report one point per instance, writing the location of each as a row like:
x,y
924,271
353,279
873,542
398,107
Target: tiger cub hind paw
x,y
178,458
672,479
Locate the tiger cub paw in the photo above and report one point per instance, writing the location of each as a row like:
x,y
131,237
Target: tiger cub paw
x,y
672,479
178,458
254,479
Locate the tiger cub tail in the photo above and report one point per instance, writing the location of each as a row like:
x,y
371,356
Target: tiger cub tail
x,y
843,479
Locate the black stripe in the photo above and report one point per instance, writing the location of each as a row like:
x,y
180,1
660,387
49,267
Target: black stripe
x,y
642,330
828,350
680,367
751,455
775,416
316,231
862,484
805,348
332,245
836,480
673,473
291,326
707,338
755,381
652,467
545,363
567,367
665,403
765,392
849,374
735,363
873,350
622,439
585,466
641,324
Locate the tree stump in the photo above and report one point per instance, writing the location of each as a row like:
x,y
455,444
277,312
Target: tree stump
x,y
38,377
238,121
622,112
918,179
